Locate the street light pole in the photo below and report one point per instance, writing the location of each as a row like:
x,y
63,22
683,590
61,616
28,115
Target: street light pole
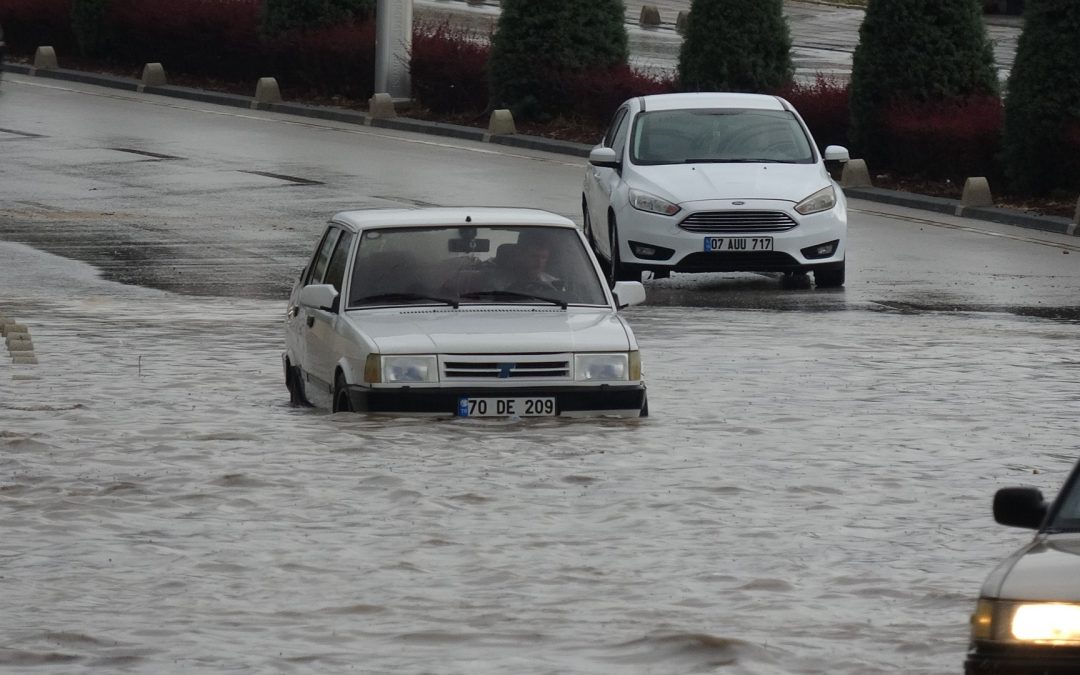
x,y
393,42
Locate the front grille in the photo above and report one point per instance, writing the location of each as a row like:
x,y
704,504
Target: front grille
x,y
511,366
738,221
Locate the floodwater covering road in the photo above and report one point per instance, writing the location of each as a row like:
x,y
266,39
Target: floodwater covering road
x,y
810,495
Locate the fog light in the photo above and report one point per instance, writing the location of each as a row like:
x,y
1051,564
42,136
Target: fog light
x,y
650,252
821,250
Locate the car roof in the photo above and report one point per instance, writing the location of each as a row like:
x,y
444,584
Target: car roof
x,y
711,99
456,215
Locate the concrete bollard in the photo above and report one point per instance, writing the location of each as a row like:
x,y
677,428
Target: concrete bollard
x,y
855,174
267,91
153,75
19,342
45,58
976,192
650,16
681,22
381,106
501,123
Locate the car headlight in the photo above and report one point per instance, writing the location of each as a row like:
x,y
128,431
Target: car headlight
x,y
822,200
614,367
643,201
401,369
1040,623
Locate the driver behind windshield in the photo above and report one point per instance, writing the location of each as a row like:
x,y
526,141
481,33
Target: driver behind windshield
x,y
524,266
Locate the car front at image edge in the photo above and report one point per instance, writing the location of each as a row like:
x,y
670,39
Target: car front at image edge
x,y
1027,618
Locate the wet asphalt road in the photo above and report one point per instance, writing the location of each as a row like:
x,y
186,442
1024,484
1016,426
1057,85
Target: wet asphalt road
x,y
811,494
214,201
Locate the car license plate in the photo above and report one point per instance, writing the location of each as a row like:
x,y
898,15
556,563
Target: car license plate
x,y
738,244
532,406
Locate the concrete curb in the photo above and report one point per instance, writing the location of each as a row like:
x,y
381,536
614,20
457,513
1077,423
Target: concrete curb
x,y
954,207
951,207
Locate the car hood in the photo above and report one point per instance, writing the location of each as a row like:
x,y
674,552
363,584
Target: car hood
x,y
1047,569
491,330
682,183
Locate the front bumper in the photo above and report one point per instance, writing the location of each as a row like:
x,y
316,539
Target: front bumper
x,y
681,250
600,400
986,658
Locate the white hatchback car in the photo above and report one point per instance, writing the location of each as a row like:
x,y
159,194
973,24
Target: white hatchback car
x,y
1027,619
466,312
714,182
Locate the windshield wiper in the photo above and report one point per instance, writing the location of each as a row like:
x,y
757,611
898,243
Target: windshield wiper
x,y
515,294
401,297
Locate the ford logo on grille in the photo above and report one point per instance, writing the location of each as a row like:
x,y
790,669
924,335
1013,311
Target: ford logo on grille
x,y
504,370
737,203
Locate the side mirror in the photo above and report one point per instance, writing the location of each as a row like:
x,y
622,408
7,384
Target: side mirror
x,y
837,153
1020,507
604,158
628,293
319,296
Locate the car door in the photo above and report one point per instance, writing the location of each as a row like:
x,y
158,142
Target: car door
x,y
324,330
302,318
603,182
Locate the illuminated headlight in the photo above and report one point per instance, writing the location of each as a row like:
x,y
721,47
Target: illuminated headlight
x,y
1043,623
401,369
822,200
643,201
618,367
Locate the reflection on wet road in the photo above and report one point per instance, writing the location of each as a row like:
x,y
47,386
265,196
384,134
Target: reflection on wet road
x,y
811,495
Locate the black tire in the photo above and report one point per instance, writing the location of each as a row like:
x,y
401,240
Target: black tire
x,y
833,278
295,386
644,407
617,271
342,402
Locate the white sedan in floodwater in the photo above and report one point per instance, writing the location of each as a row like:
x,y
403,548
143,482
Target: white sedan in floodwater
x,y
464,312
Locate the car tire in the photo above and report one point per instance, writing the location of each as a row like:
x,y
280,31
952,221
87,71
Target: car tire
x,y
644,407
831,278
295,386
342,402
617,271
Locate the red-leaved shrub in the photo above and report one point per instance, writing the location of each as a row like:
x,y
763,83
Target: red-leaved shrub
x,y
29,24
823,105
448,68
955,139
194,37
335,61
594,96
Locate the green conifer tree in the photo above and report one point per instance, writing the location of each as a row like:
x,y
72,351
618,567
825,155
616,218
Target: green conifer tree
x,y
279,16
736,45
1042,106
537,44
916,51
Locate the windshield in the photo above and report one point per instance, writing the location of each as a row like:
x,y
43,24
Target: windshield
x,y
473,265
728,135
1067,516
